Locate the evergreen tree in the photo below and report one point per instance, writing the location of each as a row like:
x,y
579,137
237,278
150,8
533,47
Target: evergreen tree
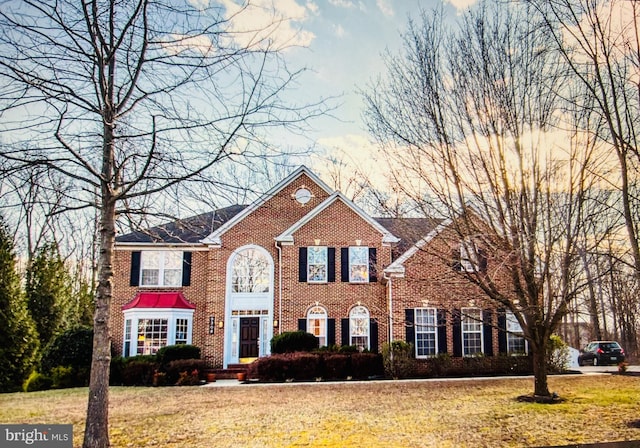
x,y
18,338
48,290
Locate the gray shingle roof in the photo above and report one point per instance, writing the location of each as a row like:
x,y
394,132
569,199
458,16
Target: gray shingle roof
x,y
409,230
186,231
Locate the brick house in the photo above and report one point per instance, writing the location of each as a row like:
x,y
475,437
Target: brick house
x,y
300,257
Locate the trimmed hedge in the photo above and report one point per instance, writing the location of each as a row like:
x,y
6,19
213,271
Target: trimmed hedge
x,y
175,352
302,366
294,341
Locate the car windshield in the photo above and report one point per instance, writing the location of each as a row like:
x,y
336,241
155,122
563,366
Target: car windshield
x,y
610,345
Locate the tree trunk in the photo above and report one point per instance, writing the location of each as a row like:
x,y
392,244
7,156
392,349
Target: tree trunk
x,y
97,423
541,386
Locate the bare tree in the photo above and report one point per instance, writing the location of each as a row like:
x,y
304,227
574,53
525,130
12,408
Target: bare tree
x,y
128,99
600,43
471,120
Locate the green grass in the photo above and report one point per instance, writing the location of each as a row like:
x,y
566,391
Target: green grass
x,y
387,414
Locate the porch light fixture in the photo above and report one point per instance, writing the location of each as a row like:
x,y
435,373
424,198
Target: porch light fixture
x,y
317,241
221,324
358,242
275,323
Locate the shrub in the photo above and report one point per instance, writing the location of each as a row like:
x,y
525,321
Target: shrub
x,y
269,368
366,365
398,359
187,378
348,349
138,371
336,366
73,348
37,381
63,377
116,370
175,352
174,369
294,341
558,357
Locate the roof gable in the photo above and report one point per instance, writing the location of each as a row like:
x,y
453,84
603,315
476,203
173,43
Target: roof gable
x,y
215,237
287,235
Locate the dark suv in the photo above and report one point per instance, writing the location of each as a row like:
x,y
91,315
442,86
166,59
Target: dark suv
x,y
600,353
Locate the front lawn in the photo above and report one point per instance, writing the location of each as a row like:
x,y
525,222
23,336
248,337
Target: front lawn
x,y
482,413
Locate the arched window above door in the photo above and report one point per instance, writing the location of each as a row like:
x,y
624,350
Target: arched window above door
x,y
251,271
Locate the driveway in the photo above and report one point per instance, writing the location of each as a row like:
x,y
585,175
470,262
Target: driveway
x,y
604,369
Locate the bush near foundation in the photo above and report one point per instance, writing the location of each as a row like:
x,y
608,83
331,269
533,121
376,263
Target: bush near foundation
x,y
175,352
302,366
294,341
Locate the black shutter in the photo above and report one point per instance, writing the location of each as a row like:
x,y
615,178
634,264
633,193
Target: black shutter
x,y
373,335
186,269
331,264
482,262
410,331
344,264
331,332
302,324
457,333
455,260
487,329
134,275
502,331
442,331
302,264
373,264
345,331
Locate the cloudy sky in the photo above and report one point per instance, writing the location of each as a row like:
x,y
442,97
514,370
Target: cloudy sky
x,y
340,42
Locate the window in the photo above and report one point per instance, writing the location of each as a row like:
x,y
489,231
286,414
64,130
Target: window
x,y
147,331
182,328
469,257
127,337
359,327
251,272
161,268
516,343
358,264
426,332
471,331
152,335
317,324
317,264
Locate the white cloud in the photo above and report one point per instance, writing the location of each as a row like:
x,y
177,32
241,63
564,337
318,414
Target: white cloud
x,y
311,6
181,42
385,7
200,4
461,5
343,3
339,31
269,22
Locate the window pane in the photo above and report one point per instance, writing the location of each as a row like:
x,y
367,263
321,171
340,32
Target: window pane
x,y
471,331
359,327
182,327
161,268
425,330
317,324
251,272
152,335
316,264
358,264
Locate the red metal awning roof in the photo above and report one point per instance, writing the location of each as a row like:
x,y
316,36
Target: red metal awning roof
x,y
159,300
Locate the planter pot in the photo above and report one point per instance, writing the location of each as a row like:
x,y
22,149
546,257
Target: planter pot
x,y
242,376
211,377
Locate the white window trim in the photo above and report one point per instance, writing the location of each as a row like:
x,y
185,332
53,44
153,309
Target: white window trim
x,y
161,268
366,264
326,264
434,332
466,312
363,312
170,314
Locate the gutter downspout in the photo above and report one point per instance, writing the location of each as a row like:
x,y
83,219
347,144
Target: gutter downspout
x,y
279,248
390,300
